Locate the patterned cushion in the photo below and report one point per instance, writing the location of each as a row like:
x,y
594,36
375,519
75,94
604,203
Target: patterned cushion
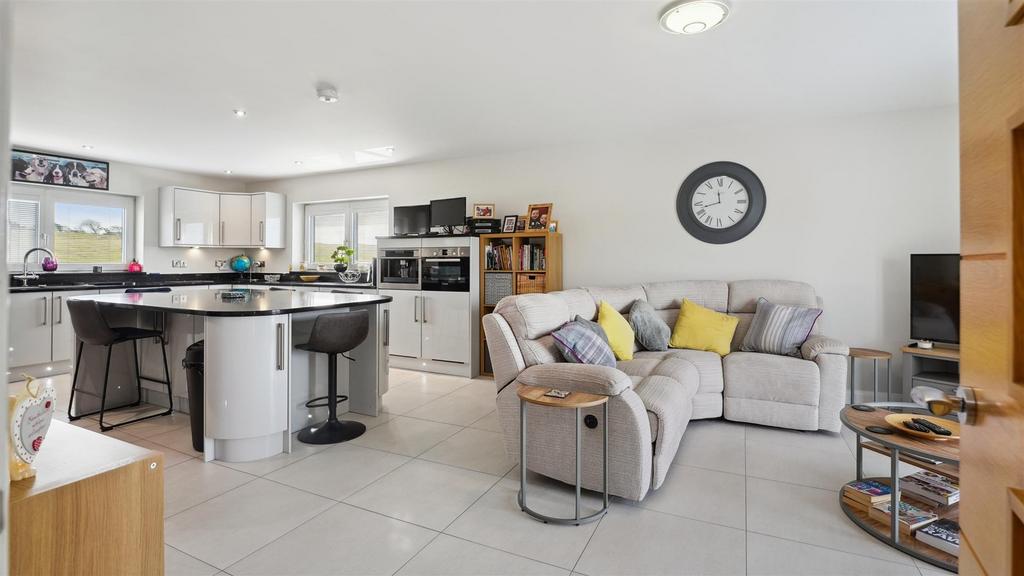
x,y
779,329
580,344
651,331
594,326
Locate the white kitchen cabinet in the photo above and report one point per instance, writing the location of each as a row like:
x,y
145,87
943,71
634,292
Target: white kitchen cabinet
x,y
445,324
196,216
406,335
235,220
63,341
29,329
267,220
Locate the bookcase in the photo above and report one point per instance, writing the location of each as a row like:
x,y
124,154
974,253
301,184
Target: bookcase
x,y
516,263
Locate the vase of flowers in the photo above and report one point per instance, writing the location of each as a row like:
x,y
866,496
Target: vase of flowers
x,y
342,256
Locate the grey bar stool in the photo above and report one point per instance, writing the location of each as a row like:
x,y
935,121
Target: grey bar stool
x,y
334,334
92,328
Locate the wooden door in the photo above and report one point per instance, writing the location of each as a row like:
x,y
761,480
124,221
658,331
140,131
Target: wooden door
x,y
992,284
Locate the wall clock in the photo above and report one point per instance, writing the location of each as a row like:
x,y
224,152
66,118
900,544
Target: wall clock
x,y
720,202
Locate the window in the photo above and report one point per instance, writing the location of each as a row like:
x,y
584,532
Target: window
x,y
356,223
82,229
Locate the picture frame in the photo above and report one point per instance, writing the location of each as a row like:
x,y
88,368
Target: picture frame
x,y
31,167
508,223
520,223
553,226
483,210
538,216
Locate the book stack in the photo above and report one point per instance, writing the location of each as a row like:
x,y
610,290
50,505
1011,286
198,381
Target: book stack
x,y
498,256
531,257
931,488
864,494
943,534
911,518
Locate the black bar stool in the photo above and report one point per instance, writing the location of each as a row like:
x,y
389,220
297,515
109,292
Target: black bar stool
x,y
334,334
92,328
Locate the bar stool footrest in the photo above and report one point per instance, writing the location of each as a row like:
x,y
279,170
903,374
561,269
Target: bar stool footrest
x,y
323,402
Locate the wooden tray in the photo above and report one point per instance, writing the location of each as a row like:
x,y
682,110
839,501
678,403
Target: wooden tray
x,y
897,420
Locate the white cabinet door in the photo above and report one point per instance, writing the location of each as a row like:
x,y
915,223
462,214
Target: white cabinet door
x,y
29,329
63,332
196,217
258,224
235,220
405,322
444,317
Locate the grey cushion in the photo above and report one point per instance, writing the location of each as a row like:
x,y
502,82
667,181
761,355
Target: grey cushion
x,y
579,343
779,329
652,333
592,326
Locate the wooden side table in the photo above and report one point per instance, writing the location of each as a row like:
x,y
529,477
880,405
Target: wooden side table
x,y
874,356
578,401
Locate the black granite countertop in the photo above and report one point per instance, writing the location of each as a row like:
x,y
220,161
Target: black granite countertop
x,y
60,282
253,303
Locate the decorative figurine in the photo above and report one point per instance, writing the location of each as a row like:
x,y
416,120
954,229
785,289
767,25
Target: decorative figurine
x,y
30,413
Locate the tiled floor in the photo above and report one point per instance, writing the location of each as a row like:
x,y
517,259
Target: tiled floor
x,y
428,490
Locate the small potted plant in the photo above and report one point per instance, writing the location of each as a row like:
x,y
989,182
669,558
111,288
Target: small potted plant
x,y
342,256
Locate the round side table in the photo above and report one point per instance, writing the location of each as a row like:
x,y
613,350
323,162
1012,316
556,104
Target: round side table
x,y
577,401
874,356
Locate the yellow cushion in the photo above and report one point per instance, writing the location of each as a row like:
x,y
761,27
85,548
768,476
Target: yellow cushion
x,y
700,328
620,334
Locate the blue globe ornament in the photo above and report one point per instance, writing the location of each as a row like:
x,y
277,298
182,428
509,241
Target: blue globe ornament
x,y
240,263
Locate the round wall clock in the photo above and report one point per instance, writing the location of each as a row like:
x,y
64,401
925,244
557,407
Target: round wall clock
x,y
720,202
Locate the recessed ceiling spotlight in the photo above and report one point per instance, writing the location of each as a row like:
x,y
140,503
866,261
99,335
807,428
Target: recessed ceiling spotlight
x,y
227,171
86,147
693,16
298,162
239,113
327,93
381,154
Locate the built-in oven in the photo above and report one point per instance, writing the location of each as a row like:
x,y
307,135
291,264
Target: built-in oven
x,y
398,269
446,269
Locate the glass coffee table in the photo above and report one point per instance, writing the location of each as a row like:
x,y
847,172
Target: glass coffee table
x,y
939,456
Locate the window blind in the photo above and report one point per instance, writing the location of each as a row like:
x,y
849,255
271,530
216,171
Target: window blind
x,y
22,229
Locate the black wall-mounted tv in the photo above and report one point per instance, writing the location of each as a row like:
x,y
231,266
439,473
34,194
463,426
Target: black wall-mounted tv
x,y
935,297
448,212
411,220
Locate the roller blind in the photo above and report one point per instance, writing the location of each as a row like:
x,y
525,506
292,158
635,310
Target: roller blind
x,y
22,229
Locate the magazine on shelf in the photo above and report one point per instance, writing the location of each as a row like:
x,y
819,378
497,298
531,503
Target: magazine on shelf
x,y
867,492
931,487
943,534
911,517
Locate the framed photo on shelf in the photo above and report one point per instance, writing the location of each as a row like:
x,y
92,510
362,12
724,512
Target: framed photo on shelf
x,y
508,223
40,168
520,223
539,215
483,210
553,226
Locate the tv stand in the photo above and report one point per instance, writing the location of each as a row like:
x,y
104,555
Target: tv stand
x,y
935,367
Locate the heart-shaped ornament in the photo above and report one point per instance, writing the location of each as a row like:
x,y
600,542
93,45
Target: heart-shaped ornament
x,y
30,420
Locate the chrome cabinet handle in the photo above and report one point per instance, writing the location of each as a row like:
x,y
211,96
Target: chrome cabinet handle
x,y
281,346
423,308
415,308
177,228
387,327
60,309
221,231
261,232
46,308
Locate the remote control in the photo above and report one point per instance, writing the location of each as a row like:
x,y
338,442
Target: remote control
x,y
556,393
932,426
915,426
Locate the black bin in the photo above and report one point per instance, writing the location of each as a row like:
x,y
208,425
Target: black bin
x,y
193,365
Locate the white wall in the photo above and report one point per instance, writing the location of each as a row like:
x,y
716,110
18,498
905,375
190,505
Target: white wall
x,y
848,201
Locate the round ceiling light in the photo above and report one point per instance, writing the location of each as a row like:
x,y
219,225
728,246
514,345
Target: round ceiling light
x,y
693,16
240,113
327,93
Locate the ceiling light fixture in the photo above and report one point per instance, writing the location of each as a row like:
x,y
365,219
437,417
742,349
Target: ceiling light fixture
x,y
239,113
227,171
693,16
86,147
327,93
382,154
298,162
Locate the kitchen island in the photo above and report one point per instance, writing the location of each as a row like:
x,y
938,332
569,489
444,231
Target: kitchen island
x,y
256,381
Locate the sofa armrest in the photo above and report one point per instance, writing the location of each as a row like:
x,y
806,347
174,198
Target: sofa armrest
x,y
823,345
588,378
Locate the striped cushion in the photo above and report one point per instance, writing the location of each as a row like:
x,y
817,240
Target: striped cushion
x,y
581,344
779,329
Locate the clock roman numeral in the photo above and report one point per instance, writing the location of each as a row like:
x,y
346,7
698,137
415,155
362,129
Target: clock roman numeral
x,y
741,201
719,222
721,182
698,203
708,184
700,212
740,191
737,210
707,220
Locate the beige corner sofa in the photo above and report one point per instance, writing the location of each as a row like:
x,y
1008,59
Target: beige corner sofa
x,y
655,395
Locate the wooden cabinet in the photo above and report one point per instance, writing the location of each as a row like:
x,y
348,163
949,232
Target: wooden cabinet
x,y
30,330
190,217
445,325
406,331
235,220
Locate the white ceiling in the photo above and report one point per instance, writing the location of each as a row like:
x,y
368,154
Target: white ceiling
x,y
156,82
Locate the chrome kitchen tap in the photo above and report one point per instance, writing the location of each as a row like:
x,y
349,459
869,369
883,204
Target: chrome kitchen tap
x,y
25,276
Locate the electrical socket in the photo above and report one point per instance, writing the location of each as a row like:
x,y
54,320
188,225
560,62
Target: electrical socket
x,y
220,264
179,264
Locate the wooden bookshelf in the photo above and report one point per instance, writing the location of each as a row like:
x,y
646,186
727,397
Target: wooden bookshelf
x,y
541,274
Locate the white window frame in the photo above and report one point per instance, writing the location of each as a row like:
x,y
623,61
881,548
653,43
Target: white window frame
x,y
49,196
351,210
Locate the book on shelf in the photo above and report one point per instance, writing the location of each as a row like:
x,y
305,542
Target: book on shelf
x,y
855,504
931,487
867,492
498,257
943,534
531,257
911,517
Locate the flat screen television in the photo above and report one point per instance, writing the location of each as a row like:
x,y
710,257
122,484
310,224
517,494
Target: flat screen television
x,y
411,220
935,297
448,212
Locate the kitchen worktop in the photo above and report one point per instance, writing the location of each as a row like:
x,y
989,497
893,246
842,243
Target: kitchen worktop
x,y
60,282
253,303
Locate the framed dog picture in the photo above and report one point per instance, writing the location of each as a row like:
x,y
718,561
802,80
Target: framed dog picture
x,y
508,223
539,215
483,210
39,168
520,223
